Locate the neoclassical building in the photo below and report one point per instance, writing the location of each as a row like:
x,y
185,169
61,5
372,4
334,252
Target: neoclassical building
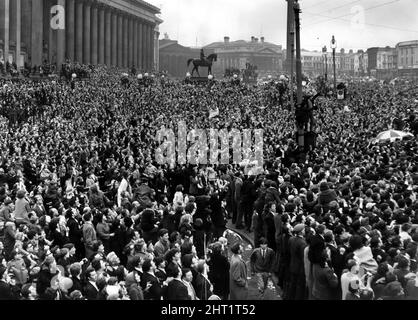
x,y
121,33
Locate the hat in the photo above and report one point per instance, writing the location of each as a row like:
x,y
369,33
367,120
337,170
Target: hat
x,y
65,284
370,205
323,186
298,228
76,295
21,194
68,246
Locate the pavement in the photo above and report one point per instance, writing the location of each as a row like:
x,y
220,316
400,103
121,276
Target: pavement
x,y
272,292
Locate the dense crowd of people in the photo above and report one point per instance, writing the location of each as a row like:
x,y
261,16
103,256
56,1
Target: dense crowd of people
x,y
88,213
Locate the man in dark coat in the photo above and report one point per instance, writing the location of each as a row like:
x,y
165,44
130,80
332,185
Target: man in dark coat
x,y
237,201
219,272
248,197
75,275
149,281
262,260
317,245
176,289
203,287
91,290
297,246
5,289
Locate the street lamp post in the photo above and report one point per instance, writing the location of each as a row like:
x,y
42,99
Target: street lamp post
x,y
324,51
334,46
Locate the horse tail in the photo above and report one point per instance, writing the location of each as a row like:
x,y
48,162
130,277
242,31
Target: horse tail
x,y
188,61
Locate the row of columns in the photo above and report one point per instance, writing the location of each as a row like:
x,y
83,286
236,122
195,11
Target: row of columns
x,y
107,36
94,34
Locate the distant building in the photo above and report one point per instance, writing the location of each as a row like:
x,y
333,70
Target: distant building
x,y
268,57
407,56
173,57
360,63
382,62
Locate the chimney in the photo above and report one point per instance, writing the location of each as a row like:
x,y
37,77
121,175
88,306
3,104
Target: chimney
x,y
226,39
262,39
252,39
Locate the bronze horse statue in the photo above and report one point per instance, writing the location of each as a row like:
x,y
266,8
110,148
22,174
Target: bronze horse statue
x,y
203,63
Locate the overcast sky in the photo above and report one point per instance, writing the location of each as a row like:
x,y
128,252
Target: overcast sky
x,y
386,22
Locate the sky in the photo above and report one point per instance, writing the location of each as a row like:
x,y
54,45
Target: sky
x,y
356,24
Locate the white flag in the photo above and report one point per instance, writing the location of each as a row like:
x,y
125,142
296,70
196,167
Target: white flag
x,y
213,113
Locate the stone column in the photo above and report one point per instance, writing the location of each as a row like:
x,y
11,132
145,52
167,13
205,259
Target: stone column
x,y
94,35
140,45
125,41
70,29
5,27
86,33
144,47
102,35
37,32
26,31
114,51
157,50
135,58
16,29
154,55
119,40
79,31
50,33
131,42
61,39
108,37
151,47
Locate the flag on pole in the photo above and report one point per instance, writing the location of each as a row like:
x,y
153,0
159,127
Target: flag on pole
x,y
213,113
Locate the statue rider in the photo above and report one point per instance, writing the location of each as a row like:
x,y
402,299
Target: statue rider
x,y
202,55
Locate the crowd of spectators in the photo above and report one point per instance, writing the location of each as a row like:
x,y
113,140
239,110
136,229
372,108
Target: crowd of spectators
x,y
87,213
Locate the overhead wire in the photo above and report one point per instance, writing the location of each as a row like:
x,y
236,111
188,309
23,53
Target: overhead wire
x,y
347,14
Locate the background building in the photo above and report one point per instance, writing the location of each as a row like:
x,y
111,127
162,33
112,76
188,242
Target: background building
x,y
382,62
121,33
407,56
268,57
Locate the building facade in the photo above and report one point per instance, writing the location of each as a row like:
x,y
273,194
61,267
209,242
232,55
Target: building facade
x,y
382,62
267,56
407,56
122,33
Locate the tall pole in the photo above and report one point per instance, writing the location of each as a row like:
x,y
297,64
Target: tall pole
x,y
298,55
333,62
290,35
300,126
290,53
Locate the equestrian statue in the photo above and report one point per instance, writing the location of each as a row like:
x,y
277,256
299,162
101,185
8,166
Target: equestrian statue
x,y
203,62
